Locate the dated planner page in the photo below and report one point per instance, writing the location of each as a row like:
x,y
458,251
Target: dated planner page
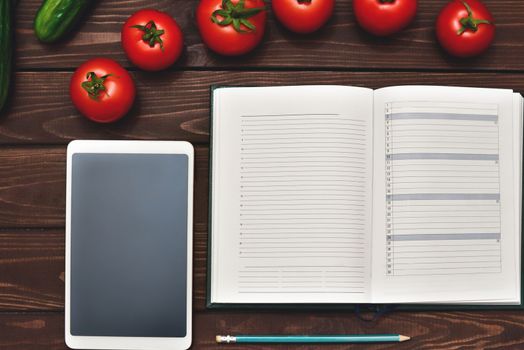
x,y
446,183
291,195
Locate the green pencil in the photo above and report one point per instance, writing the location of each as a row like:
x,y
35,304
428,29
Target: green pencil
x,y
359,338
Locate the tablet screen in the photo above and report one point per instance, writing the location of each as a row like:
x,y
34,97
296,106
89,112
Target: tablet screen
x,y
129,245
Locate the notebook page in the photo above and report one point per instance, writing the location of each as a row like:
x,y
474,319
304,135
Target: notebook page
x,y
291,195
444,219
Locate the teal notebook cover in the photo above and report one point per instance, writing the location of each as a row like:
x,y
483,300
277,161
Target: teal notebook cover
x,y
375,308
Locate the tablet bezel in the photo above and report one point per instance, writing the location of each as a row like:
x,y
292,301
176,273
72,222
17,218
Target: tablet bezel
x,y
129,147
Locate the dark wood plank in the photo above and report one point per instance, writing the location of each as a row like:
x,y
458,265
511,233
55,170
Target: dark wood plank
x,y
32,270
175,105
32,187
429,330
340,44
32,331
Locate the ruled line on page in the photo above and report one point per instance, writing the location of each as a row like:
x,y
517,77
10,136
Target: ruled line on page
x,y
302,197
444,116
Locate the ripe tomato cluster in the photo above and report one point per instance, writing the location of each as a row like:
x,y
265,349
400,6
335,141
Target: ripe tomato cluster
x,y
464,27
234,27
104,91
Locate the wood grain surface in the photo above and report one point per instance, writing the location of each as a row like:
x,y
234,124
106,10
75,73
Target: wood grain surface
x,y
174,105
430,330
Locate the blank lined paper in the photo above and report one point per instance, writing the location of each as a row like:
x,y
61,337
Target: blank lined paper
x,y
443,211
302,199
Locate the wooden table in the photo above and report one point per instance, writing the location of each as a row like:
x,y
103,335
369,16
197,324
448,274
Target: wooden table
x,y
173,105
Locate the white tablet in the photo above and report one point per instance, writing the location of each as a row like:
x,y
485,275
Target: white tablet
x,y
129,245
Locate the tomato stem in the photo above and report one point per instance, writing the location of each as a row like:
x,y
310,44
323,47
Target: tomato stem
x,y
387,1
470,22
152,35
237,15
94,84
304,1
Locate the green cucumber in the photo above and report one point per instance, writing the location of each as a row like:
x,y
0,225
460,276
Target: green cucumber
x,y
56,18
5,49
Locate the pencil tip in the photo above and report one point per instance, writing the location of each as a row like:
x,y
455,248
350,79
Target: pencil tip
x,y
402,338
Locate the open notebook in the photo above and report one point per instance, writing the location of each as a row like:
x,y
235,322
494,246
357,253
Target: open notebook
x,y
338,194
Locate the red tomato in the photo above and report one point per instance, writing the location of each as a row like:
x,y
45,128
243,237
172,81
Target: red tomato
x,y
384,17
231,27
152,40
102,90
303,16
465,28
